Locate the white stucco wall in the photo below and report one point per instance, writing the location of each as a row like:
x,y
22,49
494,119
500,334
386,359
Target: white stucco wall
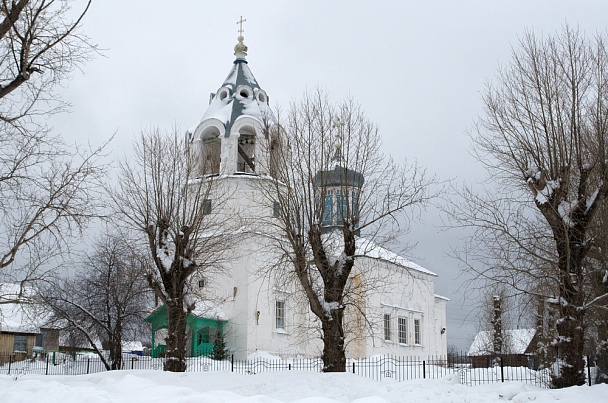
x,y
243,207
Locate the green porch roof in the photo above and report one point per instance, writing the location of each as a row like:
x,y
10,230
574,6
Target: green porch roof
x,y
158,319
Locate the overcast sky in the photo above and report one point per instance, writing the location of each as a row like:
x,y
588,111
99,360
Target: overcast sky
x,y
417,68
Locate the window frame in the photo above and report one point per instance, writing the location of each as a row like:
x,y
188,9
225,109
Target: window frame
x,y
20,343
341,206
279,314
402,329
387,327
328,207
207,206
417,332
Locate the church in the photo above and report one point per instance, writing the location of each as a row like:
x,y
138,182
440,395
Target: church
x,y
256,309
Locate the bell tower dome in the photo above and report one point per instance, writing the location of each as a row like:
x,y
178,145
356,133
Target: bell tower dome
x,y
338,190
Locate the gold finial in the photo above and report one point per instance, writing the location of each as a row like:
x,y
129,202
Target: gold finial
x,y
240,50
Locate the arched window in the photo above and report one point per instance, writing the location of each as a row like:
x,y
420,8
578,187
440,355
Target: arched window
x,y
275,153
211,149
246,150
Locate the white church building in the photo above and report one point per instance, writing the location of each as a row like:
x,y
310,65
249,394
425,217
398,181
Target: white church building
x,y
256,311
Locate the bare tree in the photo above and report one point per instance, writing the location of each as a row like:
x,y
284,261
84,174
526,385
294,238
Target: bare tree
x,y
47,189
160,197
106,300
543,142
335,183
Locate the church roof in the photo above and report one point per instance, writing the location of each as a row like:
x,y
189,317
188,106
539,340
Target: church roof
x,y
239,95
367,248
339,176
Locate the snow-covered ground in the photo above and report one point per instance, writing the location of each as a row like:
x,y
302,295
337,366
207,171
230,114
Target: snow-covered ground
x,y
269,387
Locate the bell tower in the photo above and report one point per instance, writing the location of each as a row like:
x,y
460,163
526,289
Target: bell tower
x,y
239,144
237,134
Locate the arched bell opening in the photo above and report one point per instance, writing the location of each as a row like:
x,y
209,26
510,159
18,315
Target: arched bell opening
x,y
276,160
211,151
246,150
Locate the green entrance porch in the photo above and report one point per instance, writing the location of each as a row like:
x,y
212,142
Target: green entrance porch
x,y
201,333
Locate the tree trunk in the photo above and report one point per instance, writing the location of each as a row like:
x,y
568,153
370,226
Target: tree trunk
x,y
571,334
334,355
601,358
115,353
115,356
115,340
497,325
570,326
176,339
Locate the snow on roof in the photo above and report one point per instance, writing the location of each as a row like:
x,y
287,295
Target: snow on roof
x,y
441,297
367,248
17,313
372,250
209,310
229,107
133,345
515,341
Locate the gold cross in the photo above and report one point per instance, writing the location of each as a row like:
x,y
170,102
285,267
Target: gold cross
x,y
241,25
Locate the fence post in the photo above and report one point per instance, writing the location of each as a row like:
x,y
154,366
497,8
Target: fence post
x,y
232,363
353,366
10,360
423,369
47,365
132,360
502,369
589,369
88,364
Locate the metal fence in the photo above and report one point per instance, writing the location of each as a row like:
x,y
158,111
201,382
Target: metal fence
x,y
467,369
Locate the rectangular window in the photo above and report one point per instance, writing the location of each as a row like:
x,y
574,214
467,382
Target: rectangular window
x,y
280,314
201,283
328,207
276,209
387,327
206,206
342,207
416,331
403,330
20,345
